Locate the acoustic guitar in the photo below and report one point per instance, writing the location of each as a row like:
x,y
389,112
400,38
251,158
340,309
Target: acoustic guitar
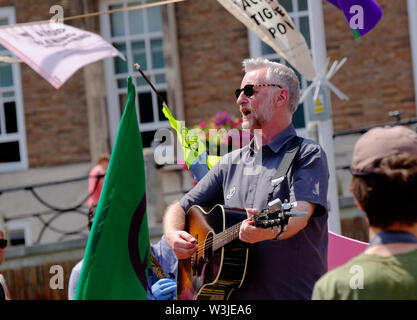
x,y
219,265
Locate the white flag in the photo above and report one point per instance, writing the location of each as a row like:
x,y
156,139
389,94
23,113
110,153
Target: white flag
x,y
272,24
55,50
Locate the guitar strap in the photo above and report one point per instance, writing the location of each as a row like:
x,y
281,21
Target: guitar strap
x,y
286,164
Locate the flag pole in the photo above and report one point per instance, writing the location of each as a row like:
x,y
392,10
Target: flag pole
x,y
137,66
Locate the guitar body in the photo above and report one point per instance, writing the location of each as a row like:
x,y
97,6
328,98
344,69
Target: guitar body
x,y
211,273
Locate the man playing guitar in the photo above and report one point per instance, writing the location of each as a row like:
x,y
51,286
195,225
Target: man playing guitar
x,y
280,266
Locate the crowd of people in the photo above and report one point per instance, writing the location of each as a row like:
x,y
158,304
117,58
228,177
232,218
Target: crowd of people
x,y
292,265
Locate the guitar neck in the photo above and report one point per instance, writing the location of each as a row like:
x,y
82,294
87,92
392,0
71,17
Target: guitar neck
x,y
226,236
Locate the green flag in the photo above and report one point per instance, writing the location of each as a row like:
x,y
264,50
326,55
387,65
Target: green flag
x,y
117,255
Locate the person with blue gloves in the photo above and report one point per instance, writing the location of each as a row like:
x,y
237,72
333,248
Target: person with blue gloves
x,y
162,283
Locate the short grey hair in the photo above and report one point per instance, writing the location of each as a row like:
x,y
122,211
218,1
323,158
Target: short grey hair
x,y
279,74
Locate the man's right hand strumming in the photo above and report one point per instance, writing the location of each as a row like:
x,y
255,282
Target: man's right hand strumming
x,y
182,243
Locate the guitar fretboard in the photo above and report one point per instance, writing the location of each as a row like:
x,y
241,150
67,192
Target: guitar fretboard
x,y
226,236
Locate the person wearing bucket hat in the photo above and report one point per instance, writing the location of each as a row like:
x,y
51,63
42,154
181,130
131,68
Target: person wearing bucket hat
x,y
384,185
4,293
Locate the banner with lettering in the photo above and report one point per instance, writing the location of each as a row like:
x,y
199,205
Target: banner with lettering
x,y
272,24
55,50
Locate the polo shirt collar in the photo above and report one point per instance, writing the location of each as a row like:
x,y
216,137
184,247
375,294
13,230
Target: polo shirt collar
x,y
276,143
281,139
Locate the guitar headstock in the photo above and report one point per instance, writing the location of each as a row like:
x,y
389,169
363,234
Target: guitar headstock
x,y
277,214
270,219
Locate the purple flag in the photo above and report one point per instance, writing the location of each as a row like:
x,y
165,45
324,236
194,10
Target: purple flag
x,y
362,15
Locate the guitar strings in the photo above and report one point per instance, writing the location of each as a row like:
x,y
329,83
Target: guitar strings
x,y
218,238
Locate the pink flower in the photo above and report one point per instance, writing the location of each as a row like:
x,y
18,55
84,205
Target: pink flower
x,y
237,123
203,125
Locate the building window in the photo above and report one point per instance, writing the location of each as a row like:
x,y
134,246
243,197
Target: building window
x,y
13,153
138,35
17,237
298,10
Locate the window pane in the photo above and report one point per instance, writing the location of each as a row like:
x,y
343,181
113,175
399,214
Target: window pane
x,y
135,19
139,54
140,81
160,113
154,19
120,66
10,114
298,117
145,107
8,94
4,21
116,22
305,29
147,138
9,152
160,78
157,54
302,5
122,102
121,83
287,4
17,237
266,49
6,75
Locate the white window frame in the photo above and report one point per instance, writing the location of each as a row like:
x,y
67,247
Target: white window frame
x,y
112,91
255,50
20,135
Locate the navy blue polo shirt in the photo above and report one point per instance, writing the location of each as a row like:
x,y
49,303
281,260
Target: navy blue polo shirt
x,y
277,269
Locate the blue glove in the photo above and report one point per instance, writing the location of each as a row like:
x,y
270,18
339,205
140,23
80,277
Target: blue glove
x,y
164,289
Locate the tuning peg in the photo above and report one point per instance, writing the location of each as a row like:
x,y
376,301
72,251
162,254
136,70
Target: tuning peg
x,y
296,213
275,205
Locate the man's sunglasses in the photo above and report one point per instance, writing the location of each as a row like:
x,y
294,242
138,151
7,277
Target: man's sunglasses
x,y
248,89
3,243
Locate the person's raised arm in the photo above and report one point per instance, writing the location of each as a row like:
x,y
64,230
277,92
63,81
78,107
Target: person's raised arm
x,y
181,242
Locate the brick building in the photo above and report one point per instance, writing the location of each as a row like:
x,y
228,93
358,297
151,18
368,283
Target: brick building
x,y
192,52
